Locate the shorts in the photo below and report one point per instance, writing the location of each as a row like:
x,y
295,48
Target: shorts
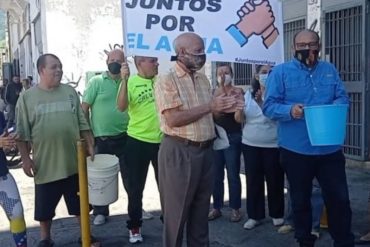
x,y
47,197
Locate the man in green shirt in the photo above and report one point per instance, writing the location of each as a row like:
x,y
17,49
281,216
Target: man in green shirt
x,y
49,117
109,125
143,138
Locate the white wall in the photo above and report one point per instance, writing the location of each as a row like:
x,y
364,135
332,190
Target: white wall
x,y
78,32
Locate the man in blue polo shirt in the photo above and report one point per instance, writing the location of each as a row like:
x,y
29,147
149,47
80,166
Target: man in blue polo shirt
x,y
306,81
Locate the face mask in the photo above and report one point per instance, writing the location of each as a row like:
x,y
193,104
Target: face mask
x,y
193,62
307,57
263,79
228,79
114,68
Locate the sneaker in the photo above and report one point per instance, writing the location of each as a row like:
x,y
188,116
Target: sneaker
x,y
250,224
99,220
285,229
235,215
277,221
316,233
135,235
214,214
146,215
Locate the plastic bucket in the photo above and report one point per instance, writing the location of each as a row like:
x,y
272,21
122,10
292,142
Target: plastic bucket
x,y
326,124
103,179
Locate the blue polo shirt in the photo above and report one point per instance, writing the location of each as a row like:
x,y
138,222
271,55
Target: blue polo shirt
x,y
293,83
3,162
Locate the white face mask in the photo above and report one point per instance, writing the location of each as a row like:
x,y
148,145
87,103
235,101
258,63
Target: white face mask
x,y
228,79
263,79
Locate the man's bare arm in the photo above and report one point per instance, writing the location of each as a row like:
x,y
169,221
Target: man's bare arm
x,y
122,98
27,162
86,108
177,118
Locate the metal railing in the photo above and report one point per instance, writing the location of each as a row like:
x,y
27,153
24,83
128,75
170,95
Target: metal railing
x,y
344,46
290,29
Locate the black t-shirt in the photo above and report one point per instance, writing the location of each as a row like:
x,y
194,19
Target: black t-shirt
x,y
227,121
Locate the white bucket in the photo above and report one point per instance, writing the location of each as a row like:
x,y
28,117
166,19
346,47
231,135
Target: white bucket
x,y
103,179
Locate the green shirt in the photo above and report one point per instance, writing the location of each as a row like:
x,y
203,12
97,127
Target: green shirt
x,y
101,95
51,121
144,122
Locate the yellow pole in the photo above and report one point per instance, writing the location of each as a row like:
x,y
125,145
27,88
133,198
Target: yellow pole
x,y
324,218
84,196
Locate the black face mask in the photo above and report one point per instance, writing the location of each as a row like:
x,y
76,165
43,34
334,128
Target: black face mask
x,y
114,68
303,56
193,62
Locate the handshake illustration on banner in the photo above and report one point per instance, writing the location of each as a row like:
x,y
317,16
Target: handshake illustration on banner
x,y
256,17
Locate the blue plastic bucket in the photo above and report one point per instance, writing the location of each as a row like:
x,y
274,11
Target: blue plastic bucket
x,y
326,124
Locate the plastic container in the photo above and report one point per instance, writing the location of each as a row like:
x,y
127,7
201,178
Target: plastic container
x,y
326,124
103,179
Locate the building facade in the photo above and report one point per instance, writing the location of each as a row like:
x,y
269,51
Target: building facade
x,y
79,32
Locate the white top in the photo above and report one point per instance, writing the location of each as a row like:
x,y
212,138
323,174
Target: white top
x,y
258,130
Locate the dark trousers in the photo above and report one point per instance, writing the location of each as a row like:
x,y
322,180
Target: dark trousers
x,y
11,116
134,170
260,164
109,145
330,172
229,157
185,185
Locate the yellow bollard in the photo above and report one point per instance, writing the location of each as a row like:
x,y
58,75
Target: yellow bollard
x,y
84,196
324,218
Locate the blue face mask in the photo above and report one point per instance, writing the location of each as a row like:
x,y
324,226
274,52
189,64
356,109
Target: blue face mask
x,y
263,79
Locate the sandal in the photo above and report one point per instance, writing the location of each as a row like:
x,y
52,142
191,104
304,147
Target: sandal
x,y
214,214
235,215
46,243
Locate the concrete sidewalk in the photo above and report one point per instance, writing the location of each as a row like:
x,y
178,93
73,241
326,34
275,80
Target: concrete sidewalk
x,y
222,232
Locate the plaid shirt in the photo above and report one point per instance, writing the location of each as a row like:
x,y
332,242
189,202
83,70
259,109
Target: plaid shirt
x,y
177,90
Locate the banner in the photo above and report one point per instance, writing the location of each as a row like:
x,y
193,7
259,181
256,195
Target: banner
x,y
243,31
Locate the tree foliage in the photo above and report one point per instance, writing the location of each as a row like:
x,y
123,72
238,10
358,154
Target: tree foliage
x,y
2,25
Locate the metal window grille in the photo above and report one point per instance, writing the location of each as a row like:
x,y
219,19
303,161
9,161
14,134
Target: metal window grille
x,y
344,48
343,41
290,29
243,74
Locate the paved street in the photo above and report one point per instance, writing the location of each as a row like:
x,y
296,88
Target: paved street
x,y
222,232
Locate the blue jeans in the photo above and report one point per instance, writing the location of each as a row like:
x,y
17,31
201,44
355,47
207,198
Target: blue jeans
x,y
317,204
330,172
229,157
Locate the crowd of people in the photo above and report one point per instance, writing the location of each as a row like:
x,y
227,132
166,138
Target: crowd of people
x,y
190,134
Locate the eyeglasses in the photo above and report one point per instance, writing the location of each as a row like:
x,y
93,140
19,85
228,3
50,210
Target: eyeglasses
x,y
311,45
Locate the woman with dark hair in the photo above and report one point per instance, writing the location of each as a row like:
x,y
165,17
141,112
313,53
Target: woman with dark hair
x,y
227,155
261,156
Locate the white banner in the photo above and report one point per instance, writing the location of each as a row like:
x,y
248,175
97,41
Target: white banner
x,y
244,31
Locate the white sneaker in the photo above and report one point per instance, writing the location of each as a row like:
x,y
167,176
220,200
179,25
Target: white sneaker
x,y
250,224
277,221
316,233
146,215
99,220
135,235
285,229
